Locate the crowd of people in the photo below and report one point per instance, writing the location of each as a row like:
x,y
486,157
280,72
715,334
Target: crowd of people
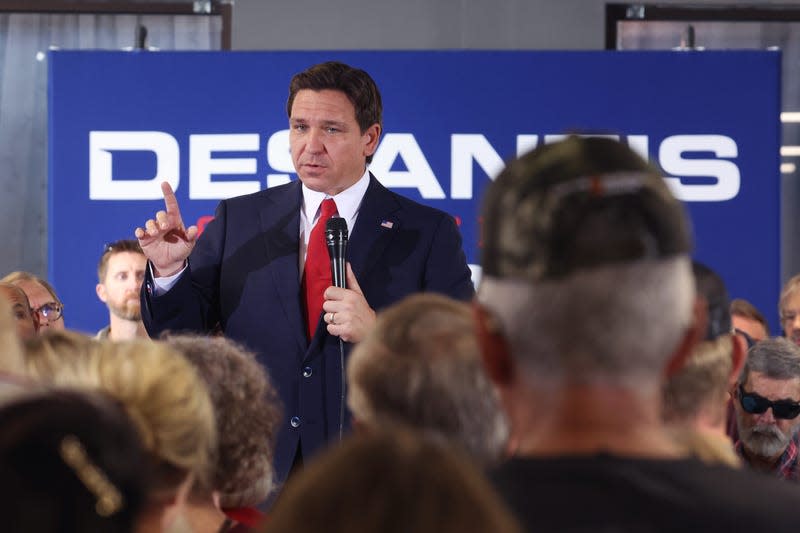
x,y
598,380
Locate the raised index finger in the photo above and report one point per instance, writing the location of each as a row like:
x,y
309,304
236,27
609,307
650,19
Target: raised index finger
x,y
169,199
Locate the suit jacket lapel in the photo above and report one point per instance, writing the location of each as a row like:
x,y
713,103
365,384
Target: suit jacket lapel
x,y
280,226
374,229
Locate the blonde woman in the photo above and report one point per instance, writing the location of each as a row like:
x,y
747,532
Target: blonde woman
x,y
162,394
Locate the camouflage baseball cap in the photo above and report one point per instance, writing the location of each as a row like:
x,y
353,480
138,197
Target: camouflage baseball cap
x,y
578,204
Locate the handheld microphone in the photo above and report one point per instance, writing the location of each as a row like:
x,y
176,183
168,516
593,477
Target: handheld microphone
x,y
336,239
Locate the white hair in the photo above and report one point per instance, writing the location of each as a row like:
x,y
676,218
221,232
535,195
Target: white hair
x,y
615,324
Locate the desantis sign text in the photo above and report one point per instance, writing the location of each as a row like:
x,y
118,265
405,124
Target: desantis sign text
x,y
214,125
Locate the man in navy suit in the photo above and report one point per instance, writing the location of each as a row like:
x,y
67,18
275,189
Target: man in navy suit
x,y
247,273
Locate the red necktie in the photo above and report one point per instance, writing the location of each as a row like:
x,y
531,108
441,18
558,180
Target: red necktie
x,y
317,271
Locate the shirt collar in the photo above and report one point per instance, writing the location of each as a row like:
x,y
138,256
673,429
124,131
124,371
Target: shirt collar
x,y
347,201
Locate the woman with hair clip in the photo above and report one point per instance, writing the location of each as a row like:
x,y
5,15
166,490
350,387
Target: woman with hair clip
x,y
163,395
70,462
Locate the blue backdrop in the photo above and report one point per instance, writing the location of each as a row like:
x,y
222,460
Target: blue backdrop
x,y
214,125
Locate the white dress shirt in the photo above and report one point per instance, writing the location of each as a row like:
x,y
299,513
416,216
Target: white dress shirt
x,y
348,202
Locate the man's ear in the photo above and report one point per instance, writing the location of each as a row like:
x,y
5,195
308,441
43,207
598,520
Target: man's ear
x,y
495,352
693,335
100,289
371,137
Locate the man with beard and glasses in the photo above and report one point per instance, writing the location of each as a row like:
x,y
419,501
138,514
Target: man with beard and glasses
x,y
120,273
767,408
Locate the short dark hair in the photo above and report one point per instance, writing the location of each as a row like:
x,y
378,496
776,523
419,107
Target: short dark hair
x,y
710,286
124,245
741,307
355,83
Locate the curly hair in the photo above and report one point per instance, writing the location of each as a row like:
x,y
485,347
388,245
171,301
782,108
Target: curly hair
x,y
247,411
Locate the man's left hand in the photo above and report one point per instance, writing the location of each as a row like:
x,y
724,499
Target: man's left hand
x,y
347,313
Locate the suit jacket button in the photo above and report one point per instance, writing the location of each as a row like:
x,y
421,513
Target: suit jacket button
x,y
295,421
307,371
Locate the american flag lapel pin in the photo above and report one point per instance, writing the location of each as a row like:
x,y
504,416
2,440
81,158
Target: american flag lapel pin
x,y
388,224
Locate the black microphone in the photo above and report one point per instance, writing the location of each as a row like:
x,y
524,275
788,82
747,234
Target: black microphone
x,y
336,239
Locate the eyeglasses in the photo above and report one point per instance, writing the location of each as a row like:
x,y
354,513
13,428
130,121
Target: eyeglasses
x,y
50,311
754,404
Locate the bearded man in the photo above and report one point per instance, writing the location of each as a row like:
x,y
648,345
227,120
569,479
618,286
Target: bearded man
x,y
767,407
120,273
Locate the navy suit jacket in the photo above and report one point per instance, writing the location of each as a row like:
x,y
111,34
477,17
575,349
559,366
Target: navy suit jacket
x,y
243,276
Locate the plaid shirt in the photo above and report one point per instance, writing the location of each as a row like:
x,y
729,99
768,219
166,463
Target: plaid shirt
x,y
787,466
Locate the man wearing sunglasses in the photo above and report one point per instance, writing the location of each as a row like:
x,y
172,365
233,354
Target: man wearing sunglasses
x,y
767,408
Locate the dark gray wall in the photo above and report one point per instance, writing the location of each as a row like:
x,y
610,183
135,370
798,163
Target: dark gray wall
x,y
417,24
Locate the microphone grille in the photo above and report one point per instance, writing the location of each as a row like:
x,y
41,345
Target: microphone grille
x,y
336,224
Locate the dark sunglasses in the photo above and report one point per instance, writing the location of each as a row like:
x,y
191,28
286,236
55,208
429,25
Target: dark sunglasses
x,y
754,404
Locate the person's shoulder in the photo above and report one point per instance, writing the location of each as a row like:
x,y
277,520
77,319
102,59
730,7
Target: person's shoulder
x,y
662,491
751,499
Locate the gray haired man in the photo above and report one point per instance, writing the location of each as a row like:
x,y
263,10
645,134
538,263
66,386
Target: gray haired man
x,y
767,406
587,302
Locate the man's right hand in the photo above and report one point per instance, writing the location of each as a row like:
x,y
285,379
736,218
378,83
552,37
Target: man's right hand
x,y
165,241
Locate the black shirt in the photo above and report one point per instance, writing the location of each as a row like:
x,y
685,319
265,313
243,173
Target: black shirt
x,y
604,493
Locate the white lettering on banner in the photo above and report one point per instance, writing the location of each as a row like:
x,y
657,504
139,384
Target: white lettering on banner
x,y
639,144
102,185
418,175
202,165
465,151
725,172
526,143
279,157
